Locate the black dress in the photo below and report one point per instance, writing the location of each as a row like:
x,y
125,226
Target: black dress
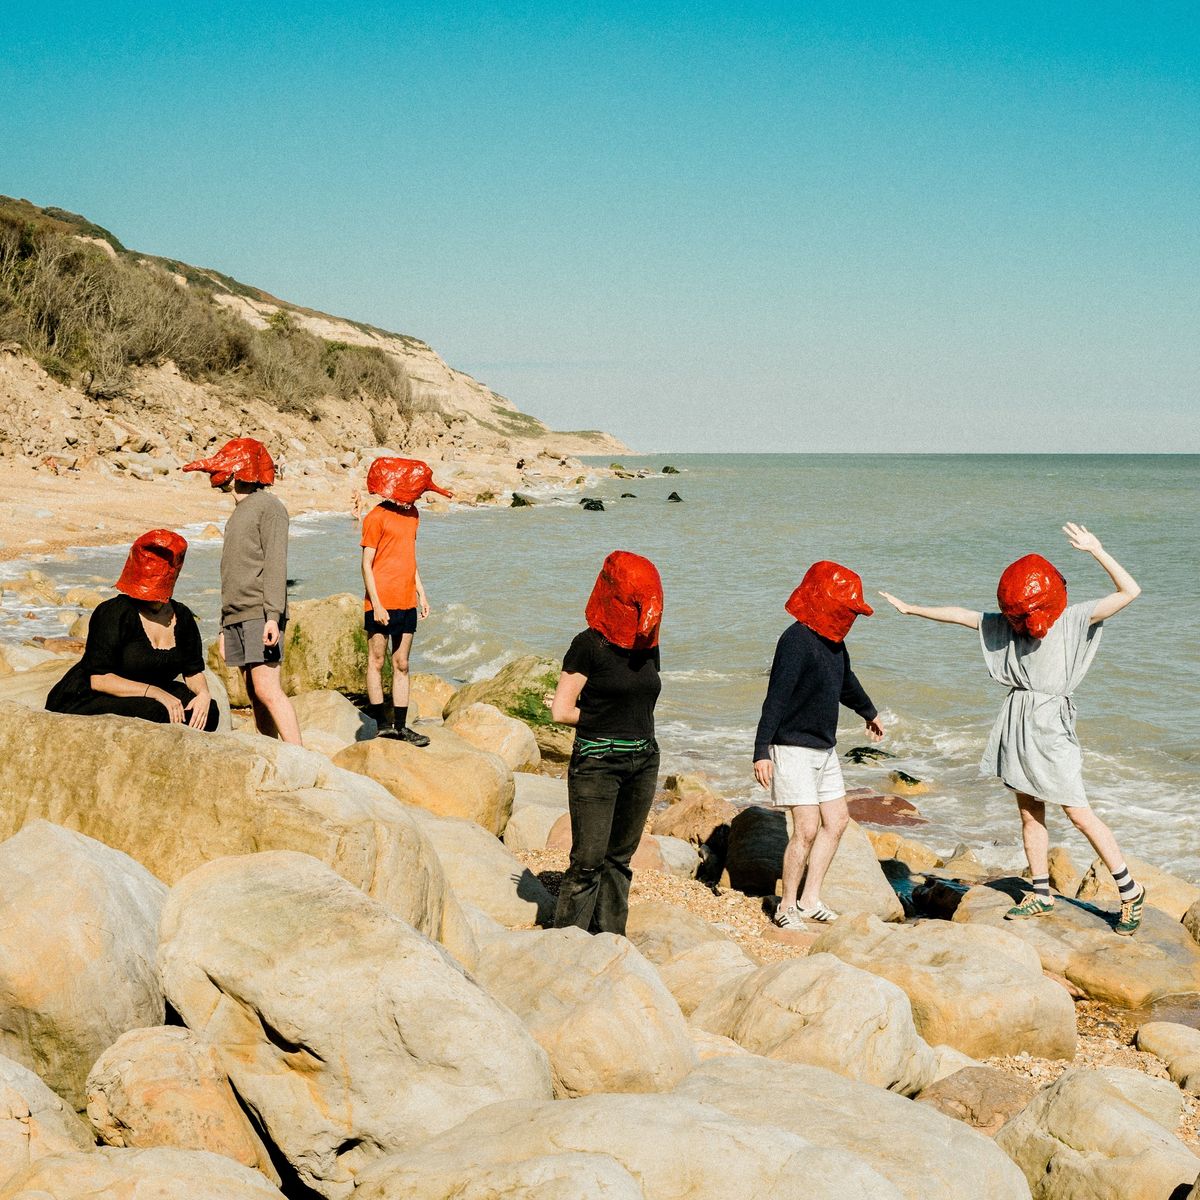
x,y
117,644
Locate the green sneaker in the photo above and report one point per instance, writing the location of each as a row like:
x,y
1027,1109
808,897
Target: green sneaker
x,y
1131,915
1032,906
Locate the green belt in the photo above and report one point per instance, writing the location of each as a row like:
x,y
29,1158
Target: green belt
x,y
589,748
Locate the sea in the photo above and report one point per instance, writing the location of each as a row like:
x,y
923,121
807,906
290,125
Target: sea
x,y
932,529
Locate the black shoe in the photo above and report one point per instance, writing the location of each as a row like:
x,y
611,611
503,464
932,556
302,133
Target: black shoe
x,y
386,731
411,736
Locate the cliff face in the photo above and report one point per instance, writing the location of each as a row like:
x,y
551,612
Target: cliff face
x,y
171,360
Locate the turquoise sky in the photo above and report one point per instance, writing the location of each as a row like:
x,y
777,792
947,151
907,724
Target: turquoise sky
x,y
911,226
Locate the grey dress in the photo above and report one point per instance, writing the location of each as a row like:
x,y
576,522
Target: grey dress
x,y
1032,746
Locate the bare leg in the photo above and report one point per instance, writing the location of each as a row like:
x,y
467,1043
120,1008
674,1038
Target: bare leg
x,y
376,651
400,671
1034,835
1100,836
268,695
834,817
806,822
263,720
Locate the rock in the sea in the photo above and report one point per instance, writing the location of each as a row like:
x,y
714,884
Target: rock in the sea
x,y
349,1034
904,784
522,500
982,1097
172,799
758,837
595,1005
1164,891
676,1149
1077,942
34,1121
324,647
592,504
674,498
158,1174
78,935
488,729
1178,1046
923,1154
329,712
983,995
483,874
875,808
163,1086
1080,1137
825,1013
449,777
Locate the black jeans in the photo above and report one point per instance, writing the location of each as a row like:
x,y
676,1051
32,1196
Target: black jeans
x,y
101,704
610,797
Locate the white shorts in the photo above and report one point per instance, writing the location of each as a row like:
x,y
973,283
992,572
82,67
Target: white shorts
x,y
804,775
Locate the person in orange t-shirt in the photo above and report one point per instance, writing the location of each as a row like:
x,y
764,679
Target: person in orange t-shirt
x,y
394,596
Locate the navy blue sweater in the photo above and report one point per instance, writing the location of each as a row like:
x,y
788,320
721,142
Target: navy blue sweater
x,y
810,677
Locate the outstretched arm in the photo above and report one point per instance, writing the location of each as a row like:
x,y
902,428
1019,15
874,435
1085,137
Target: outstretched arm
x,y
1127,587
947,616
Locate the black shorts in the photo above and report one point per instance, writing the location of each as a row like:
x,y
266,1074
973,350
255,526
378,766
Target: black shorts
x,y
400,622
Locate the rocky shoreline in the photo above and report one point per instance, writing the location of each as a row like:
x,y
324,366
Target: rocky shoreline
x,y
325,971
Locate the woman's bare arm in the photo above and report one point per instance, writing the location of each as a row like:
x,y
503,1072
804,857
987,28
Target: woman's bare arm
x,y
947,616
564,708
1128,589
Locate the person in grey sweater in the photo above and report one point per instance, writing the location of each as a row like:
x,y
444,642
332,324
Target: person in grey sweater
x,y
254,581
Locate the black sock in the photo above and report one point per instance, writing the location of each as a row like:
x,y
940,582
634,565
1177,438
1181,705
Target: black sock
x,y
1041,885
375,712
1125,883
401,717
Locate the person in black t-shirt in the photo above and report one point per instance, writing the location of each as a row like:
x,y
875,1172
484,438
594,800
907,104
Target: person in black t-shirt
x,y
607,690
138,645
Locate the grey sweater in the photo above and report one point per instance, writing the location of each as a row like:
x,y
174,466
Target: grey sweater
x,y
254,560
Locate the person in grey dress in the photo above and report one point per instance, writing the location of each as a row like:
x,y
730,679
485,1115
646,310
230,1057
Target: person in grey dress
x,y
1040,648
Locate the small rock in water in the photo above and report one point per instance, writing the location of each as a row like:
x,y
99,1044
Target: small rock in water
x,y
862,754
591,504
520,500
674,498
670,470
628,496
906,784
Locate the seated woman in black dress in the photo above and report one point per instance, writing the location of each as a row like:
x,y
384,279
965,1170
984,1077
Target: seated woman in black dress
x,y
139,644
608,688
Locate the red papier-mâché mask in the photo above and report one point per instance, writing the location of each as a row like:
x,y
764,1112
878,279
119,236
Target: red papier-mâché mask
x,y
828,599
1032,595
242,459
153,565
402,480
626,605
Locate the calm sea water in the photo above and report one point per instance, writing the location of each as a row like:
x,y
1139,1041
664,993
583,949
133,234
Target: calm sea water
x,y
933,529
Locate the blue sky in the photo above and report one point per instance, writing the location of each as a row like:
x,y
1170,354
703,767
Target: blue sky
x,y
837,226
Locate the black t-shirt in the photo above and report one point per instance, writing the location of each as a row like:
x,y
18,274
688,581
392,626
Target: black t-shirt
x,y
117,644
622,686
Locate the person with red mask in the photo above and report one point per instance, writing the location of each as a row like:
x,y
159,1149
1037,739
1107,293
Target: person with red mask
x,y
139,643
1040,648
608,689
794,756
394,594
254,580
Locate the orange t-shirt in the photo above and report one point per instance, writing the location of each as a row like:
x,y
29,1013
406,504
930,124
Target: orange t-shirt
x,y
392,531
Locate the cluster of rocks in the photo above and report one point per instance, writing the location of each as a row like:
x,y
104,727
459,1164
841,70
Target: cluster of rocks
x,y
231,967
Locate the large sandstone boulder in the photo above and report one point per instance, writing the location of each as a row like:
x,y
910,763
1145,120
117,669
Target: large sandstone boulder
x,y
332,715
1178,1046
676,1148
346,1032
78,934
890,846
1080,1138
34,1121
483,874
855,883
1164,891
172,800
1077,942
695,816
428,694
489,729
982,1097
521,689
324,647
981,992
159,1174
825,1013
164,1087
595,1005
529,828
923,1154
1158,1099
647,857
544,791
449,777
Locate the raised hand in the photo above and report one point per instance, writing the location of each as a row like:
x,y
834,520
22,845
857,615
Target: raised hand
x,y
898,605
1081,539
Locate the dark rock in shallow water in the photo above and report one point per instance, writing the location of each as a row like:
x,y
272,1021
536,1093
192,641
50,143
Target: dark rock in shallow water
x,y
591,504
874,808
628,496
520,500
674,498
862,754
670,470
937,899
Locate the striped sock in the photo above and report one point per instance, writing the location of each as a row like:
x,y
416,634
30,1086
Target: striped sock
x,y
1041,885
1125,883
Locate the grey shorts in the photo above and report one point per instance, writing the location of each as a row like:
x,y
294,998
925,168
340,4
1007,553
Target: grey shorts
x,y
244,643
